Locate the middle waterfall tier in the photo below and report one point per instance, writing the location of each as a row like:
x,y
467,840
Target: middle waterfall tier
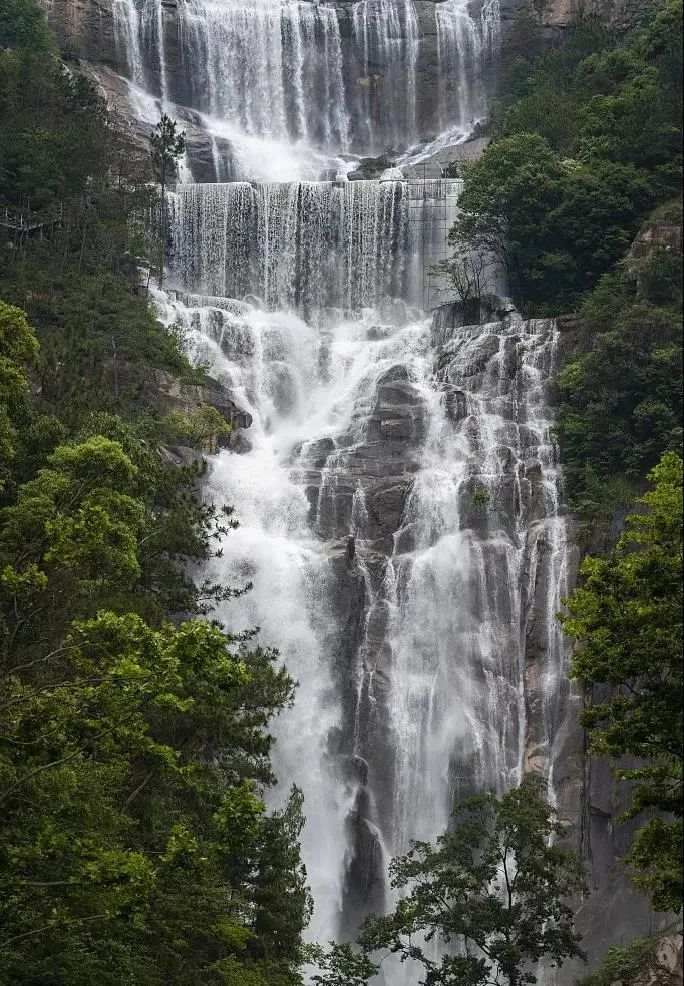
x,y
311,245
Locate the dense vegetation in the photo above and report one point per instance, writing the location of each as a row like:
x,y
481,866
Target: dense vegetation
x,y
619,393
134,749
626,616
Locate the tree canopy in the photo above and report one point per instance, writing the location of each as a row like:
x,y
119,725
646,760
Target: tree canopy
x,y
626,617
493,894
587,140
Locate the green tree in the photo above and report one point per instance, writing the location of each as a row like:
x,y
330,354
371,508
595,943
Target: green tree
x,y
494,890
140,752
70,542
18,348
167,146
619,399
555,224
626,617
507,197
22,25
587,139
341,965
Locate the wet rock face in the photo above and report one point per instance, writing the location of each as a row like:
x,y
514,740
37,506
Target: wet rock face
x,y
85,29
485,632
166,392
364,889
443,494
363,484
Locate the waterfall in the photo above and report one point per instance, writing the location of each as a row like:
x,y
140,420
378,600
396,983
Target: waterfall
x,y
398,492
341,78
127,35
310,245
139,39
400,516
246,51
458,48
386,41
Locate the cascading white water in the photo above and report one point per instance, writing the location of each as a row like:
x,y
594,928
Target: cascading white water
x,y
398,494
413,650
127,35
246,50
459,41
386,39
336,77
485,496
311,244
139,37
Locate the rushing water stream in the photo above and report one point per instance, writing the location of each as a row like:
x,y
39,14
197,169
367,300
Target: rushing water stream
x,y
398,492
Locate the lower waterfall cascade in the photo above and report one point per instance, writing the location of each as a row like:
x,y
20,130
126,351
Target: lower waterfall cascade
x,y
400,511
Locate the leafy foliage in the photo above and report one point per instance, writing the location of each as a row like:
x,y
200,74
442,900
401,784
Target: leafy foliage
x,y
199,427
167,145
134,750
619,394
632,964
494,888
23,26
135,844
627,618
142,838
18,347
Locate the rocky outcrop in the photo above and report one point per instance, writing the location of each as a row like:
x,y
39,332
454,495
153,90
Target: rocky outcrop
x,y
665,967
659,235
171,393
85,30
165,392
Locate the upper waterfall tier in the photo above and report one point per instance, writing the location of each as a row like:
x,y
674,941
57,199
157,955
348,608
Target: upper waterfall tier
x,y
309,245
341,77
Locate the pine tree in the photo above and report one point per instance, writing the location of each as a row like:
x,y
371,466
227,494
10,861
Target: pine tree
x,y
167,144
